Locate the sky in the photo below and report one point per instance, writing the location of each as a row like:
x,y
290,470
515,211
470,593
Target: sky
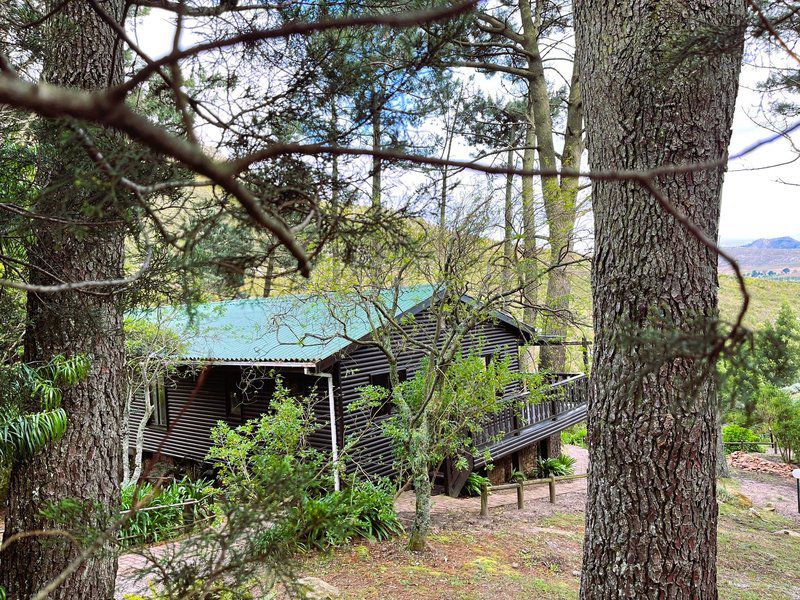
x,y
755,201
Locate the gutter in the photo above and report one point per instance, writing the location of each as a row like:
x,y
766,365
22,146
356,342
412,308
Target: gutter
x,y
334,443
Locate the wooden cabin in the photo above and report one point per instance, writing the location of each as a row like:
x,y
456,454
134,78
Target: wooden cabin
x,y
234,350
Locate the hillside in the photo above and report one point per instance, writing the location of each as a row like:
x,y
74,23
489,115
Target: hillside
x,y
775,243
766,298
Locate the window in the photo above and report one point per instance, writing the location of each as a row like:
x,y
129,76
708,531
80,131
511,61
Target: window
x,y
383,380
234,397
158,396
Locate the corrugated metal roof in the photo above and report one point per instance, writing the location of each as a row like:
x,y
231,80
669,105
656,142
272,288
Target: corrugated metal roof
x,y
279,329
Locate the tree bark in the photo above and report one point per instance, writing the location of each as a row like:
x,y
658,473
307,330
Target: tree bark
x,y
530,271
559,196
420,474
651,511
508,224
80,51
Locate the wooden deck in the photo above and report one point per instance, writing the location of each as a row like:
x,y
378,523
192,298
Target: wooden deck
x,y
524,423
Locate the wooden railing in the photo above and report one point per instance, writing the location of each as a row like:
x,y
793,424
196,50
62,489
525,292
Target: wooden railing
x,y
566,392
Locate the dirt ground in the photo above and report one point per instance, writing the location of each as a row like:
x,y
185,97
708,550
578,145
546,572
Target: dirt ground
x,y
536,552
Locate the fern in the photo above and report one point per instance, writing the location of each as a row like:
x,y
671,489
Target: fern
x,y
30,397
24,435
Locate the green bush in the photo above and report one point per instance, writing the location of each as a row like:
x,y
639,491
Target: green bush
x,y
575,436
781,413
560,466
251,458
363,510
741,438
158,524
474,484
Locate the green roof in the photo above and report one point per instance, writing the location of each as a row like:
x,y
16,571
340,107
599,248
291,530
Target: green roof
x,y
278,329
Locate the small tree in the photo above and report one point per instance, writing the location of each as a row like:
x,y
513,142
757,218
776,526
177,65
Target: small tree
x,y
781,413
435,415
151,350
778,348
439,413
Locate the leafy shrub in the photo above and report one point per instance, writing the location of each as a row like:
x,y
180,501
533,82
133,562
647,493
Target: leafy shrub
x,y
157,524
517,476
575,436
273,447
474,484
781,413
560,466
363,510
741,438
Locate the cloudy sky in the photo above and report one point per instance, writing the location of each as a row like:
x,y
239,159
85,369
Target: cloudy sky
x,y
757,201
754,202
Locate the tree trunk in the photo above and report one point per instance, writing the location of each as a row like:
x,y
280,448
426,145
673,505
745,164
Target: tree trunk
x,y
530,271
421,477
80,51
559,197
561,212
138,448
508,224
723,470
651,511
377,165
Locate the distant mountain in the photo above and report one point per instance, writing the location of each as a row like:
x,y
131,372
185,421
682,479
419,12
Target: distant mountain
x,y
781,243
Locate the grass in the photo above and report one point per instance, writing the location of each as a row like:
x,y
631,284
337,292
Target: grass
x,y
766,298
510,558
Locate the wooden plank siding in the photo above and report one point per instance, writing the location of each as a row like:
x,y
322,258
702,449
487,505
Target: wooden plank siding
x,y
191,428
372,454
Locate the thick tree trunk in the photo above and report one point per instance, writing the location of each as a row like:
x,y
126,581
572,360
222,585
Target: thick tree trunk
x,y
651,511
80,51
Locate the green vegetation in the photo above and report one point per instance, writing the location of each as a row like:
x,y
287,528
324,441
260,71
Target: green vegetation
x,y
769,360
740,438
474,484
575,436
559,466
152,523
252,458
781,413
766,298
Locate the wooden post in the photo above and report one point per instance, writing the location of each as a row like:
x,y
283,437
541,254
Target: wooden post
x,y
552,489
484,501
520,495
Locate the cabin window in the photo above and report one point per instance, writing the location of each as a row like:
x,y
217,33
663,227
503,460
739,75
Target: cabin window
x,y
158,396
383,380
234,398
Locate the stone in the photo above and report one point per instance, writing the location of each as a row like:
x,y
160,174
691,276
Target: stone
x,y
313,588
788,532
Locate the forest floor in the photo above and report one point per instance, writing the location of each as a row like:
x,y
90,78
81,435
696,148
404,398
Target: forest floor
x,y
536,552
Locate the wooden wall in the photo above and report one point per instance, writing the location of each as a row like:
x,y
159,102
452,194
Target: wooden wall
x,y
372,454
194,411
